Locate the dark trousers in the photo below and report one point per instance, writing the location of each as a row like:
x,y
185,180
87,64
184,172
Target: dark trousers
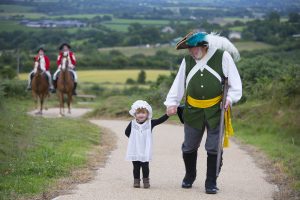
x,y
137,165
193,137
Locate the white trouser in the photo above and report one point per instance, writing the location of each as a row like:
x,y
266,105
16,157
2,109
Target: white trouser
x,y
49,78
58,70
29,77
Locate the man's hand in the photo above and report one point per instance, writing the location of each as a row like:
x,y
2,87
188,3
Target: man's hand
x,y
227,104
172,110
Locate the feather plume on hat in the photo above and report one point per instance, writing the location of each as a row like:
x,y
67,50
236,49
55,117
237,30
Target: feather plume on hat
x,y
219,42
212,40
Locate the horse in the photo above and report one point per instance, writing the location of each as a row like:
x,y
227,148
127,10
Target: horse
x,y
65,85
40,87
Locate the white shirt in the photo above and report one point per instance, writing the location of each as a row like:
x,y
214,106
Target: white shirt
x,y
229,68
42,64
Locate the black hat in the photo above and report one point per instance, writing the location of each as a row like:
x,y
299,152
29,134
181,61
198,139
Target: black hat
x,y
41,48
64,44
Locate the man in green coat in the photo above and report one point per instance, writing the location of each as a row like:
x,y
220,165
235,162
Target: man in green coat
x,y
200,79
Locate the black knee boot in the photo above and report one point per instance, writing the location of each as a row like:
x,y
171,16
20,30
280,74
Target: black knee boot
x,y
54,85
74,89
211,178
190,162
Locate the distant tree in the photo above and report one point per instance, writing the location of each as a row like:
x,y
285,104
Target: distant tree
x,y
107,18
294,17
142,77
273,17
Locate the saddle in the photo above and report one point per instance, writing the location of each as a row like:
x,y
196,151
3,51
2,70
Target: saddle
x,y
43,74
72,75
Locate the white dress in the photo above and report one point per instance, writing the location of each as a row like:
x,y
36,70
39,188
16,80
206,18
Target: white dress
x,y
140,142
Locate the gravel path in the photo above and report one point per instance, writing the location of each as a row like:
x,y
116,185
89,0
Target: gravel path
x,y
54,112
240,178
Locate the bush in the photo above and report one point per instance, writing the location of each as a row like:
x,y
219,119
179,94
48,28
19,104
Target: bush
x,y
130,81
7,72
13,88
96,89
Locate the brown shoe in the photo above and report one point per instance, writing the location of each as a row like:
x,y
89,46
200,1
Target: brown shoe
x,y
136,183
146,182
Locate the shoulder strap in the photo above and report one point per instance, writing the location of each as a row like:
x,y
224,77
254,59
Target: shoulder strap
x,y
200,64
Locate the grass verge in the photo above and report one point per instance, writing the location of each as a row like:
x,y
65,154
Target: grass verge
x,y
275,132
36,152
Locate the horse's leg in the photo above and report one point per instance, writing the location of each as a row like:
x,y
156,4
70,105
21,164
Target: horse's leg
x,y
42,102
35,100
69,102
63,102
46,96
38,100
60,96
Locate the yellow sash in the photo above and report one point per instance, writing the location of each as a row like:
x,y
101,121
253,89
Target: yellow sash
x,y
209,103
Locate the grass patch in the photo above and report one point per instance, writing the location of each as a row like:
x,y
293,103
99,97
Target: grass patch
x,y
252,46
10,26
274,131
119,24
8,8
34,152
26,15
117,27
114,106
237,28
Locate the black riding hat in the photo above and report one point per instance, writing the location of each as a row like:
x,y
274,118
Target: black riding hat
x,y
64,44
40,48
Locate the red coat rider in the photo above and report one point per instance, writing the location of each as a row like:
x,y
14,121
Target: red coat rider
x,y
44,62
65,52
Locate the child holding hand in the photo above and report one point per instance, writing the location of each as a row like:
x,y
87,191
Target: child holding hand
x,y
139,132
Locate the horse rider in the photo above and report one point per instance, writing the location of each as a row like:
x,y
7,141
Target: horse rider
x,y
44,62
65,52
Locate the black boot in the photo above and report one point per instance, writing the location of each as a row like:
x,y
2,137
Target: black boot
x,y
55,86
74,89
211,178
190,162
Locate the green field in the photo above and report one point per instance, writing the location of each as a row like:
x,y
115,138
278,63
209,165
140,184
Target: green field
x,y
251,46
112,76
7,8
122,24
10,26
237,28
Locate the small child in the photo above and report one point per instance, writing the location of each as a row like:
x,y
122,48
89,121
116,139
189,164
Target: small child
x,y
139,132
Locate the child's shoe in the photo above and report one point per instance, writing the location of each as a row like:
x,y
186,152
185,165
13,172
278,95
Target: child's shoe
x,y
136,183
146,182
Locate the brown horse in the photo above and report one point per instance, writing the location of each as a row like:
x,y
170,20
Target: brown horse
x,y
65,85
40,87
